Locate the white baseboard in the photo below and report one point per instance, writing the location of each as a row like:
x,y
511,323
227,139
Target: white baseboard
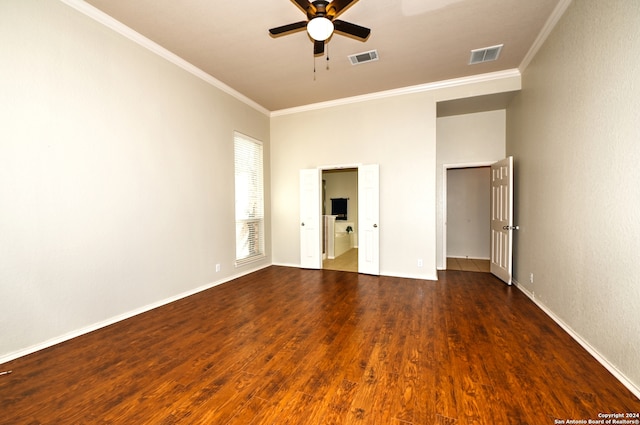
x,y
297,266
468,258
429,276
110,321
596,355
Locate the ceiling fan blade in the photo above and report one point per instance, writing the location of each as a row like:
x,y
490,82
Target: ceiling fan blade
x,y
318,47
351,29
288,28
303,4
338,6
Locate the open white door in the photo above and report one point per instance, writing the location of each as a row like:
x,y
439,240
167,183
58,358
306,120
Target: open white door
x,y
368,219
310,224
502,219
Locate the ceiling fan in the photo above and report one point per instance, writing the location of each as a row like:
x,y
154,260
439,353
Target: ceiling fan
x,y
321,22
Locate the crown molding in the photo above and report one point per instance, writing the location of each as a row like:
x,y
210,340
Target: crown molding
x,y
438,85
117,26
551,23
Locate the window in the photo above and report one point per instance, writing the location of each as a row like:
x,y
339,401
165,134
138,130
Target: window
x,y
249,199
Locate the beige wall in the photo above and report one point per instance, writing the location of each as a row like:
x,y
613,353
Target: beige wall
x,y
573,131
116,176
477,138
396,132
399,134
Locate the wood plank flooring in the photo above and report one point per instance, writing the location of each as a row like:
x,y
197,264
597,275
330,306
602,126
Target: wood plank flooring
x,y
291,346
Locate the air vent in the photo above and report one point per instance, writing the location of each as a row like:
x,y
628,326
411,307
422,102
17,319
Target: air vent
x,y
359,58
485,54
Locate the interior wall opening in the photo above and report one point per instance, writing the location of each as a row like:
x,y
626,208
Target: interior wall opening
x,y
340,219
468,219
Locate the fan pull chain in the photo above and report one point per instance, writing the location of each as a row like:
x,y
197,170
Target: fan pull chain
x,y
327,56
314,67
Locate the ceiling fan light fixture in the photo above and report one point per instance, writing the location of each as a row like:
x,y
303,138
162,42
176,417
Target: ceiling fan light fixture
x,y
320,28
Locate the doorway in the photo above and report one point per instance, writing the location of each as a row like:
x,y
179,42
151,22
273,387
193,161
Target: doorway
x,y
368,231
340,219
467,213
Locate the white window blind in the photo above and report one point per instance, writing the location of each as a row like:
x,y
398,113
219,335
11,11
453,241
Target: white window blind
x,y
249,199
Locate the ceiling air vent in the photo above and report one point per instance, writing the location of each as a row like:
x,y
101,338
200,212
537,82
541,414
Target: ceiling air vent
x,y
485,54
359,58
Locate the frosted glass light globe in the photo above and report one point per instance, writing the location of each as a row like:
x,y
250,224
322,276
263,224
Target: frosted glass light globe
x,y
320,28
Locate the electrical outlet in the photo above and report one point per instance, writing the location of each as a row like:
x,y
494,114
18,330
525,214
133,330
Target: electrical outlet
x,y
419,262
217,267
531,278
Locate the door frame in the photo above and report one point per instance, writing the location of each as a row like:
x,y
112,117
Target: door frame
x,y
445,168
323,168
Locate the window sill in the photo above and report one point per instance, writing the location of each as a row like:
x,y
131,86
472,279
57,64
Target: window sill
x,y
249,260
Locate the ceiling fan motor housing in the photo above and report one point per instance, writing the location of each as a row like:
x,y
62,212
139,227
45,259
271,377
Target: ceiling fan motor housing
x,y
321,11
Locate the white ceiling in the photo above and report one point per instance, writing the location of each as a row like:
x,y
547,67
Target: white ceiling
x,y
418,42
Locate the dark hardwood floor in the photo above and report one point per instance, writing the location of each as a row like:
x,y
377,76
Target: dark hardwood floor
x,y
291,346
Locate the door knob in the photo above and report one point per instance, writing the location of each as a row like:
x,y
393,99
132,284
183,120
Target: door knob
x,y
375,225
302,224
